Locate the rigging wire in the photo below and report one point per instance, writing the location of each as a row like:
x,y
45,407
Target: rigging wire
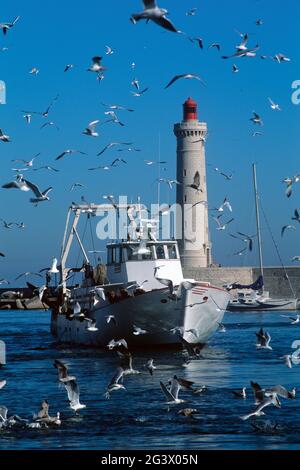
x,y
277,250
79,251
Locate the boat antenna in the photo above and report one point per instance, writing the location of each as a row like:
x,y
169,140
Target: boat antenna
x,y
158,180
258,224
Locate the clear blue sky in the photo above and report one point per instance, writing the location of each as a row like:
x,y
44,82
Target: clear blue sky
x,y
52,34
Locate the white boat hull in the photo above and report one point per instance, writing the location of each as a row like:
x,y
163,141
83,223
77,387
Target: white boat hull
x,y
201,308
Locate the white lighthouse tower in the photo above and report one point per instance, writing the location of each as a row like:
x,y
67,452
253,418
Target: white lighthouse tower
x,y
192,220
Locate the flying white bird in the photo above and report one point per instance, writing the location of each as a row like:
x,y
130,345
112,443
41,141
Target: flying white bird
x,y
186,76
154,13
39,196
273,105
90,130
281,58
109,50
69,152
256,119
7,26
96,65
4,137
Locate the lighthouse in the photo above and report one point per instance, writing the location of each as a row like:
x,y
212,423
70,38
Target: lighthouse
x,y
192,230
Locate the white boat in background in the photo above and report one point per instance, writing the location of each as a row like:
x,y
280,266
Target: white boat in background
x,y
254,296
246,299
132,297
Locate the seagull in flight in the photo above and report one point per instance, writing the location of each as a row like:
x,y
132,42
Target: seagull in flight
x,y
27,118
281,58
3,137
264,339
215,46
49,123
243,45
196,183
226,204
137,94
76,185
28,274
240,393
198,41
91,129
256,119
45,113
73,395
192,12
50,168
154,13
62,369
109,50
112,144
152,162
39,196
289,182
220,226
243,53
171,394
28,163
69,152
117,107
34,71
287,227
114,384
111,318
186,76
296,216
150,366
168,182
273,105
68,67
92,324
7,26
96,65
19,183
270,400
114,118
245,238
294,320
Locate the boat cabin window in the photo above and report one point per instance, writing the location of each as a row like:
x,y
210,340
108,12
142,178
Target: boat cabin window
x,y
114,255
172,252
110,256
132,254
160,252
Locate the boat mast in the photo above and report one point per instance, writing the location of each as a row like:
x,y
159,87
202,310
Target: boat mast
x,y
258,222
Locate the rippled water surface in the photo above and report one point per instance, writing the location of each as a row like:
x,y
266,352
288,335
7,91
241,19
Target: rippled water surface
x,y
138,418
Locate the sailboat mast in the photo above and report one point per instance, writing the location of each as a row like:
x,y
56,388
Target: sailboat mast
x,y
258,221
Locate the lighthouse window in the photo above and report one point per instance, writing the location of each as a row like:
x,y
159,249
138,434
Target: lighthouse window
x,y
184,172
191,109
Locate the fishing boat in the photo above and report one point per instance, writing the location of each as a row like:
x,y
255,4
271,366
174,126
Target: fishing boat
x,y
139,295
254,296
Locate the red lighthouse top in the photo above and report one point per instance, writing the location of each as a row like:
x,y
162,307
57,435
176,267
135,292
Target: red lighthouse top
x,y
190,110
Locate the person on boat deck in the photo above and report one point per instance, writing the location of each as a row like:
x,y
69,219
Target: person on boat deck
x,y
88,274
112,297
124,294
